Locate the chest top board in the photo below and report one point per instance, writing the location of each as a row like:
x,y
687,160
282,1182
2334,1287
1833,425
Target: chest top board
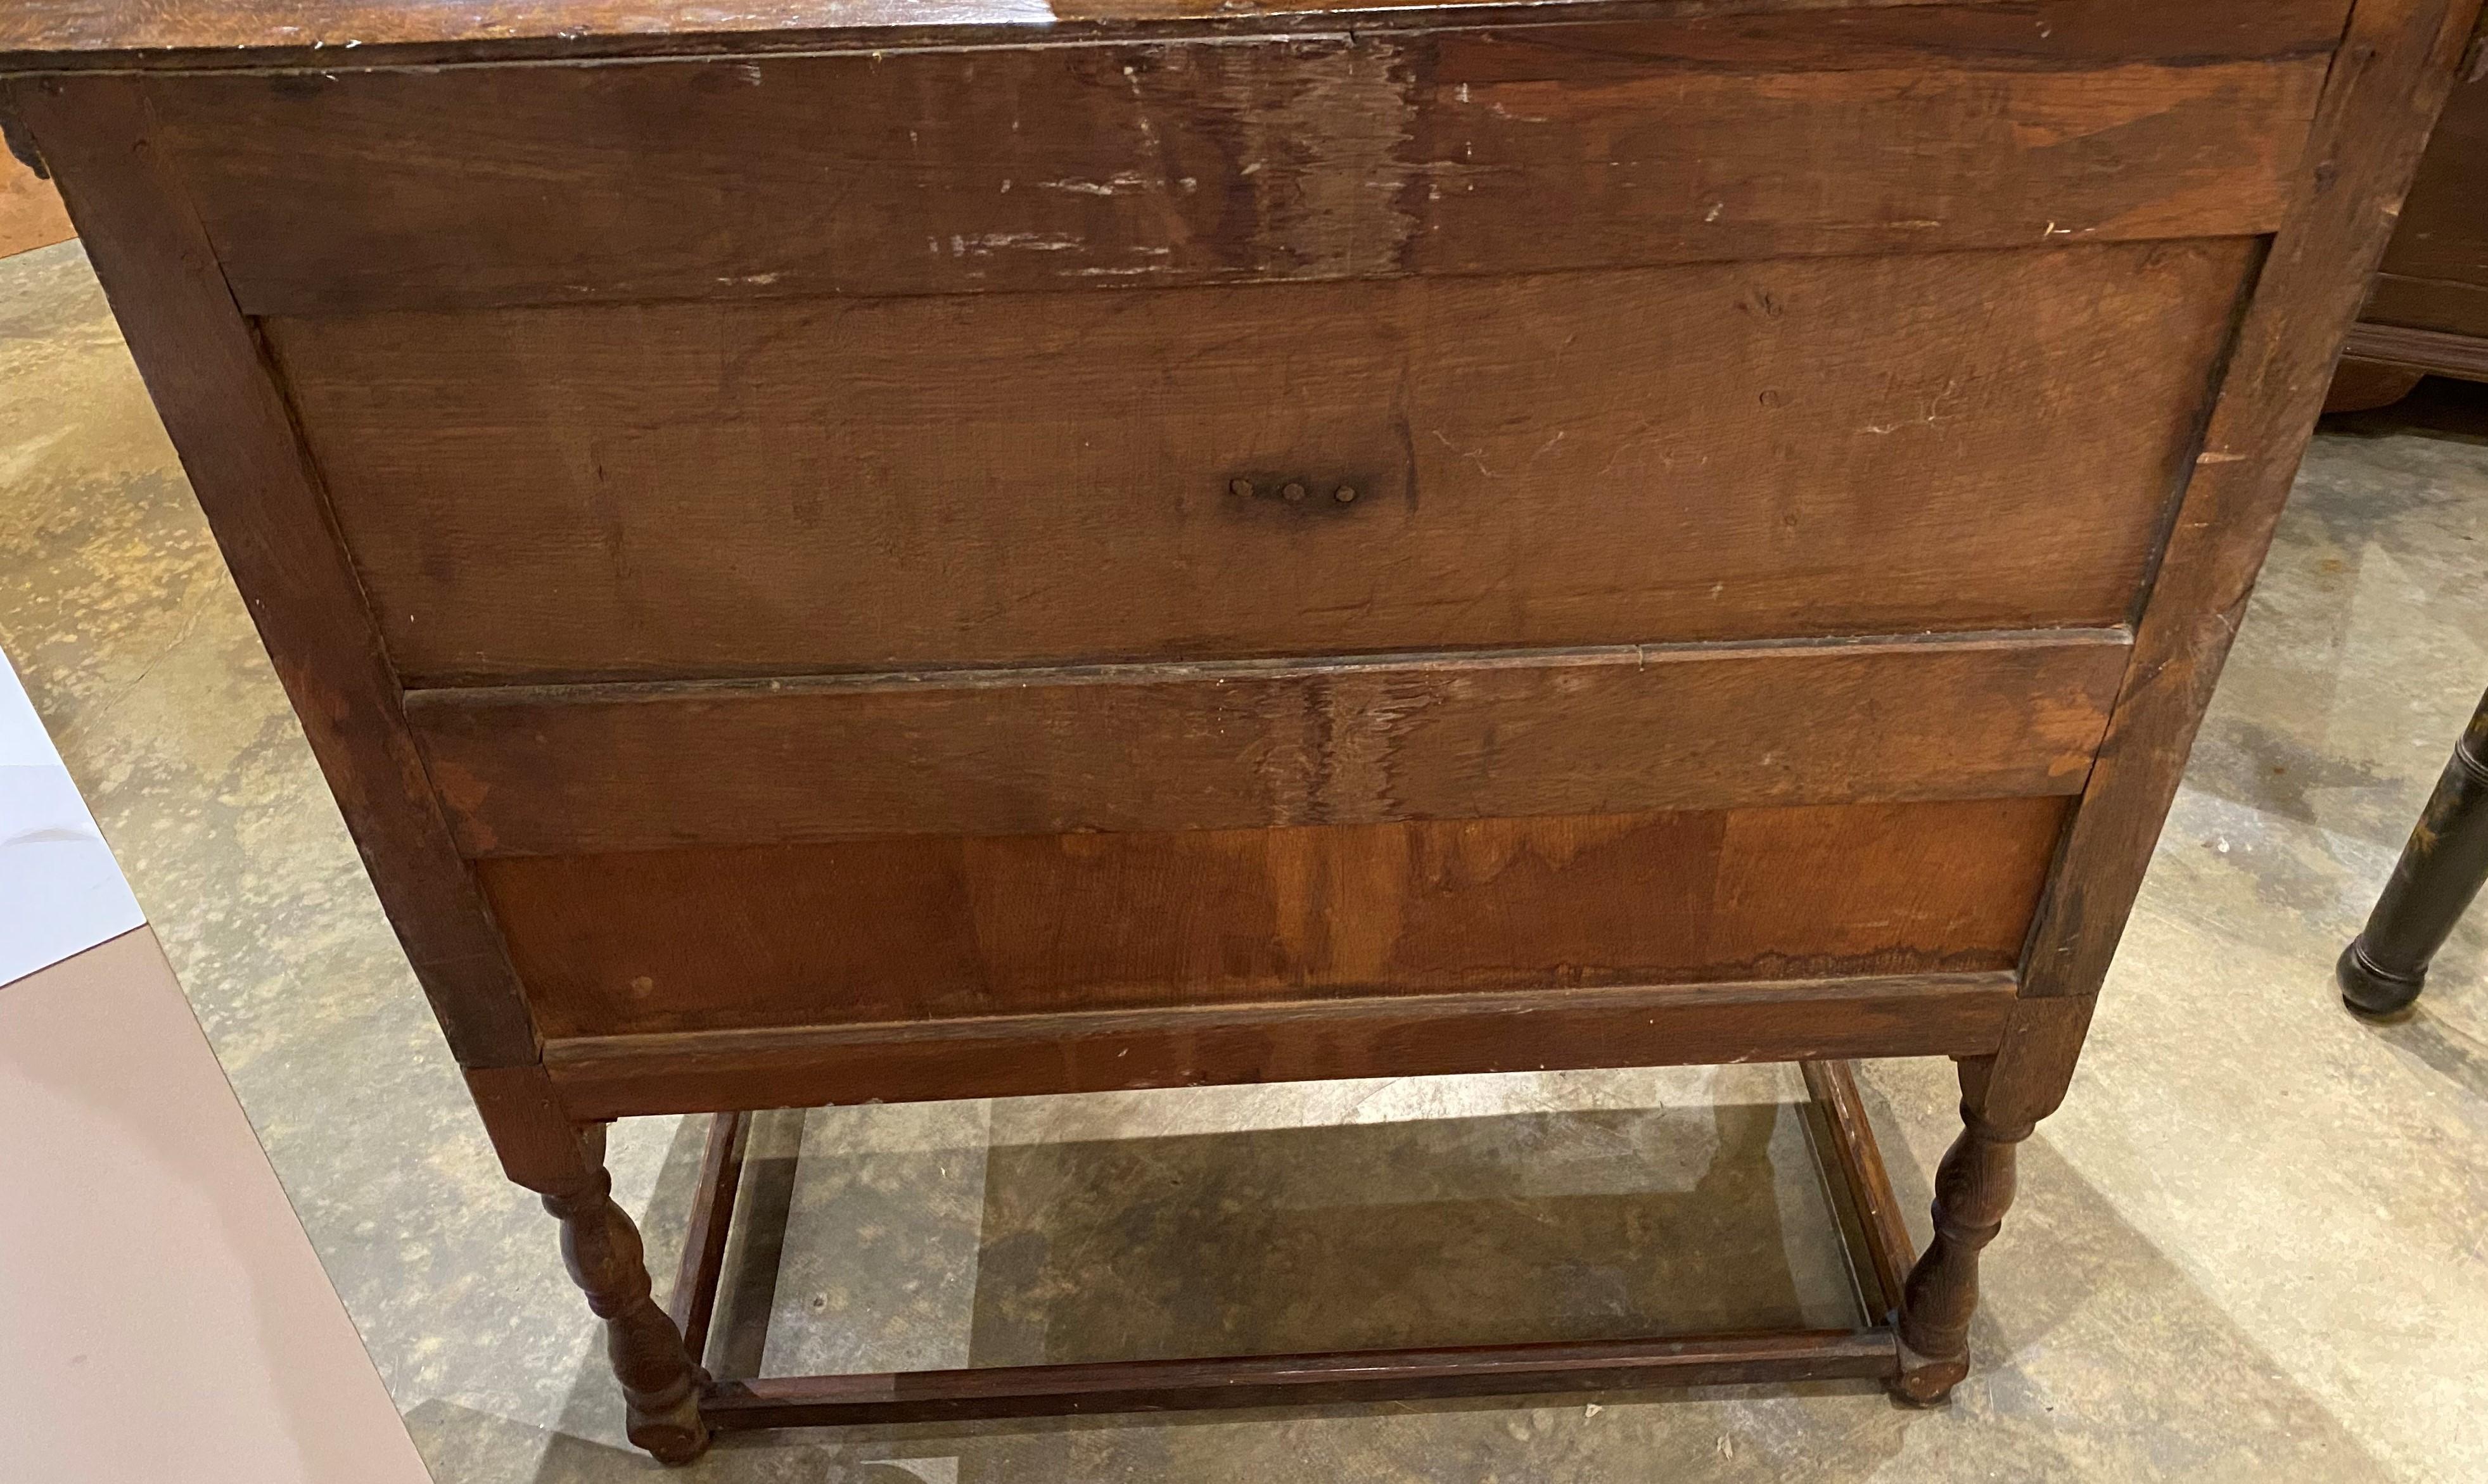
x,y
843,549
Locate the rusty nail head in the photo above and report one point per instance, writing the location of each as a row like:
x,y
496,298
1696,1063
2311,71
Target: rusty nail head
x,y
1240,487
1343,493
1293,492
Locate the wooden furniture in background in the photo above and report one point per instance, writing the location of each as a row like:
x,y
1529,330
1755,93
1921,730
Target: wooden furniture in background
x,y
2434,882
864,553
2428,311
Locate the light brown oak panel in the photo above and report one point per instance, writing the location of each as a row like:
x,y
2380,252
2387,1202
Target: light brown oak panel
x,y
944,927
1810,447
583,769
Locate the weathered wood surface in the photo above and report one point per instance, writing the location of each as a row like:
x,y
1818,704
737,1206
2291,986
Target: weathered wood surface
x,y
1830,446
1369,1377
1164,162
1523,1030
313,33
2435,274
212,383
912,928
571,769
2396,66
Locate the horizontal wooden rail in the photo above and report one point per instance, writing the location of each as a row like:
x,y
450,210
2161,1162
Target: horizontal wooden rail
x,y
1867,1353
1946,1015
1280,1381
561,770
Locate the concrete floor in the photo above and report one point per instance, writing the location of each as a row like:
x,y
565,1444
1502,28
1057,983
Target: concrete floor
x,y
2249,1247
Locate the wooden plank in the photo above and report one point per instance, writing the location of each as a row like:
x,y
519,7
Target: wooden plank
x,y
1235,745
2396,66
1297,1380
220,402
2425,306
261,33
693,1302
2437,352
1829,446
1859,1166
1104,1050
924,927
1165,162
2443,231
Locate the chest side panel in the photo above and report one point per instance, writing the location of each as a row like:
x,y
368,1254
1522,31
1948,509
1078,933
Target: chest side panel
x,y
1094,529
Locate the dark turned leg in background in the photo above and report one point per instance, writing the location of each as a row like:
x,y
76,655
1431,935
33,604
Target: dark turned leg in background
x,y
2439,873
1973,1187
659,1381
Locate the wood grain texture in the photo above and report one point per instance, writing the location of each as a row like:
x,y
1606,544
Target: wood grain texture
x,y
2395,64
2427,306
660,1380
2442,233
692,1303
1521,1030
64,34
220,402
573,770
1854,1161
2441,352
919,928
1165,162
1832,446
1297,1380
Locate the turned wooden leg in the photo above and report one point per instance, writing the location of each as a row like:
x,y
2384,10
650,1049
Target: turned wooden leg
x,y
1973,1187
2440,872
659,1381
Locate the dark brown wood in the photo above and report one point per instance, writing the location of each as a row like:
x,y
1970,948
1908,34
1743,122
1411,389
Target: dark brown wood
x,y
601,1248
1172,162
2427,308
1103,1050
2413,310
570,770
2439,875
1298,1381
2363,385
918,928
212,383
896,422
798,487
1324,1378
694,1303
1859,1169
2435,274
2396,63
1973,1188
252,33
2414,351
535,1138
2043,1040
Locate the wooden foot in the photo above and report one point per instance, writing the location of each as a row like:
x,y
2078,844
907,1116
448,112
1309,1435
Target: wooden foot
x,y
660,1383
1973,1187
2441,871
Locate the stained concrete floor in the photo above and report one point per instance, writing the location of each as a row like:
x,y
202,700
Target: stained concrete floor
x,y
2249,1247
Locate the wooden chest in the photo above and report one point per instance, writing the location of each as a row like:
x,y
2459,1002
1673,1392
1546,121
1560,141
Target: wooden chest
x,y
880,551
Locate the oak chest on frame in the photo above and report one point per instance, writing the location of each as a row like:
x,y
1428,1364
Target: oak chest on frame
x,y
882,552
